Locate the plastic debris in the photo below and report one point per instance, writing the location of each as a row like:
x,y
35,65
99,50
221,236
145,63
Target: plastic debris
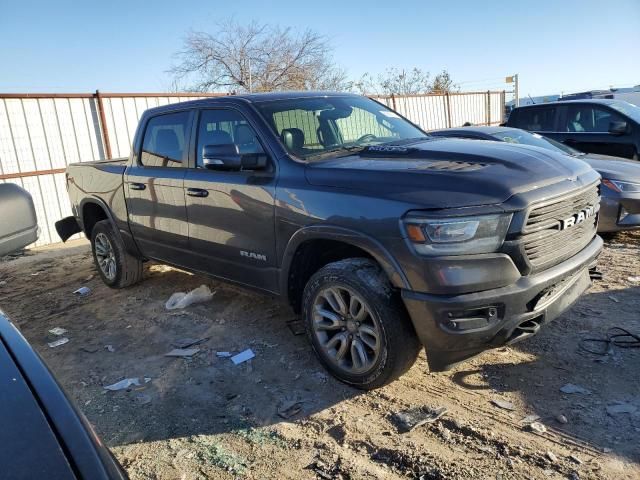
x,y
183,300
530,419
503,404
621,407
83,291
58,331
182,352
412,418
243,356
188,342
124,384
570,388
223,354
109,348
57,343
537,427
561,419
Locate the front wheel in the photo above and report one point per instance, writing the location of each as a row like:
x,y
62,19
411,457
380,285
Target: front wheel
x,y
117,268
357,325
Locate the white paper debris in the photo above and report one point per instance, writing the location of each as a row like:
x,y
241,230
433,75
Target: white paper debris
x,y
123,384
243,356
58,331
57,343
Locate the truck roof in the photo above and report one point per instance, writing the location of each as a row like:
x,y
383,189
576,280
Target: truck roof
x,y
253,98
601,101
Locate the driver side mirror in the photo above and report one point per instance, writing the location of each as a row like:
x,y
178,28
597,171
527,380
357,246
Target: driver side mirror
x,y
228,157
618,128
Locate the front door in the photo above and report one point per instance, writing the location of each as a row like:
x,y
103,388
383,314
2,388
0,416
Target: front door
x,y
154,188
231,213
585,127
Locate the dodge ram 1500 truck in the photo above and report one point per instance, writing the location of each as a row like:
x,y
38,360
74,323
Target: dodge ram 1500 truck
x,y
383,238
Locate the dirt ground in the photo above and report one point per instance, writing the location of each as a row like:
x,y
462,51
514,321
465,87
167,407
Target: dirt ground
x,y
204,417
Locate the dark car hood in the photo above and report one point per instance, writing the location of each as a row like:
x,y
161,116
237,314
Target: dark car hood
x,y
615,168
445,173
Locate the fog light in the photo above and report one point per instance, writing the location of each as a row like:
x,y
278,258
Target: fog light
x,y
623,214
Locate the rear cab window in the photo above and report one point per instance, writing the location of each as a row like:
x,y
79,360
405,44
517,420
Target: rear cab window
x,y
165,140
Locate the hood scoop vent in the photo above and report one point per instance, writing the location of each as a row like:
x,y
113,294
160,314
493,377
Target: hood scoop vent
x,y
449,166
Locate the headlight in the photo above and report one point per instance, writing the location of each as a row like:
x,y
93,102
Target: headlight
x,y
457,235
621,187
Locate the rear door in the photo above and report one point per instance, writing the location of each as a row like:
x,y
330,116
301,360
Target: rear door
x,y
585,127
154,187
231,213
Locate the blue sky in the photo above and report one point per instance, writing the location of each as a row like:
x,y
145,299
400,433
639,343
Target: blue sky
x,y
124,46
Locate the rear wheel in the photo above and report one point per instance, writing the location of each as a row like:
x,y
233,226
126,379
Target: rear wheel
x,y
117,268
357,325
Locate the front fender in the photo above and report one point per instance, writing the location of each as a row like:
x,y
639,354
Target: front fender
x,y
330,232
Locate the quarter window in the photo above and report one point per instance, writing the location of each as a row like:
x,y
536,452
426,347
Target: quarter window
x,y
165,140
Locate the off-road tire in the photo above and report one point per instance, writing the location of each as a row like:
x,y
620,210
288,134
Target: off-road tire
x,y
128,268
400,345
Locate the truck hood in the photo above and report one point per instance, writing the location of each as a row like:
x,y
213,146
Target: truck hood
x,y
447,173
614,168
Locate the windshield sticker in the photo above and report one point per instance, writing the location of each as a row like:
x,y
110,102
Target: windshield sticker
x,y
389,114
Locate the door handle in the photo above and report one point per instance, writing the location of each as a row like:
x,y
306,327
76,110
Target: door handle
x,y
137,186
197,192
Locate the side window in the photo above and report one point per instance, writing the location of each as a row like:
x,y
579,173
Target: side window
x,y
300,128
165,139
223,127
537,119
586,118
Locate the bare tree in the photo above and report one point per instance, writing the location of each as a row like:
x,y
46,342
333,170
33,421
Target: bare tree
x,y
257,57
403,82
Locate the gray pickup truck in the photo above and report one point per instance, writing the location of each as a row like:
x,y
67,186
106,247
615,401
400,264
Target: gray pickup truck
x,y
383,238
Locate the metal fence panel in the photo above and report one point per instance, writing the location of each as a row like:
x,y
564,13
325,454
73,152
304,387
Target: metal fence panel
x,y
40,134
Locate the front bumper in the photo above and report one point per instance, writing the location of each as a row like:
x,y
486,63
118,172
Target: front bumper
x,y
454,328
619,212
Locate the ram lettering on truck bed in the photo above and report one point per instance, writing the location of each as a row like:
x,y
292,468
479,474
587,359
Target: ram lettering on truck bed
x,y
384,239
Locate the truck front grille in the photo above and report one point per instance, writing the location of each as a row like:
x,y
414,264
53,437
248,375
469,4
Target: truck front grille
x,y
558,229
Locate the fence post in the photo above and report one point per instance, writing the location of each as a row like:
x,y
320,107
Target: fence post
x,y
393,102
103,125
448,105
502,105
488,108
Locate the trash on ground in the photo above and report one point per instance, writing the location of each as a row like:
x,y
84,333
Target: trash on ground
x,y
503,404
537,427
412,418
570,388
3,283
82,291
562,419
290,409
530,419
296,326
142,399
613,299
223,354
124,384
57,343
183,300
621,407
243,356
58,331
182,352
109,348
188,342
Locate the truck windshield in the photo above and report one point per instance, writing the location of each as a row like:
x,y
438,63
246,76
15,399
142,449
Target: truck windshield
x,y
309,128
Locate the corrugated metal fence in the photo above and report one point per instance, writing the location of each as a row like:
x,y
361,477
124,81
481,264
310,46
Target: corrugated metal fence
x,y
40,134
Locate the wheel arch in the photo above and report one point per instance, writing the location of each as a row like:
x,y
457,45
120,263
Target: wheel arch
x,y
311,248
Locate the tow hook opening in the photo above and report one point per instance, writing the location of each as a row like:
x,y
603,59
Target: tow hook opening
x,y
526,329
595,274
